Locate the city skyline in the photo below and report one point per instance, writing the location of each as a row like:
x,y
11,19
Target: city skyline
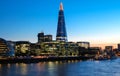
x,y
93,21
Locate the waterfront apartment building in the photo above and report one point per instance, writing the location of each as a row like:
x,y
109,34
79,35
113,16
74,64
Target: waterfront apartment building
x,y
22,47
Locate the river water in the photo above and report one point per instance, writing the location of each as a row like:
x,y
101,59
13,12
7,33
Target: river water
x,y
63,68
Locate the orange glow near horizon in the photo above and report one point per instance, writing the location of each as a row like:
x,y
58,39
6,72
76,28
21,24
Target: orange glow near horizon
x,y
103,45
98,41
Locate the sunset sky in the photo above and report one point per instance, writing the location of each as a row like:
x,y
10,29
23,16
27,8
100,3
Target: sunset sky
x,y
96,21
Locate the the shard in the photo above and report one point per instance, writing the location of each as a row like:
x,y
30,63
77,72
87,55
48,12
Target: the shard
x,y
61,29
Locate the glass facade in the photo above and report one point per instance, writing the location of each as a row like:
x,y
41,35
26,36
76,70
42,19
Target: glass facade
x,y
61,29
6,49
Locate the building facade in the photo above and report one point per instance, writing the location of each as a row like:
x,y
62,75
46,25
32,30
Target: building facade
x,y
61,29
119,47
83,44
48,38
6,49
40,37
44,38
108,48
22,47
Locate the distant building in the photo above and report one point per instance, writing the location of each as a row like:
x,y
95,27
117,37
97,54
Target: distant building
x,y
22,47
40,37
72,44
44,38
48,38
61,29
95,48
84,44
6,49
108,48
109,51
119,47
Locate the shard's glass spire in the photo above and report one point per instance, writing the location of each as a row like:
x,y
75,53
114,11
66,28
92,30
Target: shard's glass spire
x,y
61,29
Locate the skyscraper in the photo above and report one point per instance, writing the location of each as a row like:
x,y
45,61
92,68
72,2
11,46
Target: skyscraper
x,y
61,29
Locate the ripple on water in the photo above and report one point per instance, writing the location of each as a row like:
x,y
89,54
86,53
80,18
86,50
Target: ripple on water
x,y
63,68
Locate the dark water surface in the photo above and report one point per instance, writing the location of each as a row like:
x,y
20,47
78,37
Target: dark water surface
x,y
70,68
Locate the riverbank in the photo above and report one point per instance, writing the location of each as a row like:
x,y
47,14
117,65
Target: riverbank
x,y
63,68
36,60
47,59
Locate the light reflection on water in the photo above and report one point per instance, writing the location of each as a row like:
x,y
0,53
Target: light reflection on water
x,y
63,68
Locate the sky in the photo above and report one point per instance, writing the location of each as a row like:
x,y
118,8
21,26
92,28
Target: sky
x,y
95,21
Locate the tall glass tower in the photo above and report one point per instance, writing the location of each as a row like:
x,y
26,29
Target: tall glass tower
x,y
61,29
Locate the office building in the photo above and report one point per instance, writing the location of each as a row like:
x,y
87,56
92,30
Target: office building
x,y
44,38
22,47
6,49
119,47
40,37
61,29
83,44
108,48
48,38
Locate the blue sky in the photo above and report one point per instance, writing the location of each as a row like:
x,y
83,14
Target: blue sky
x,y
96,21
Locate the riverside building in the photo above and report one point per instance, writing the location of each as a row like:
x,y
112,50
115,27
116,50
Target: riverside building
x,y
6,49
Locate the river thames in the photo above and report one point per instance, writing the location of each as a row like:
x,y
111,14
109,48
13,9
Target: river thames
x,y
63,68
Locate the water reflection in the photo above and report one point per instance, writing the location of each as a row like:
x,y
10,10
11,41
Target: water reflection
x,y
23,69
63,68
